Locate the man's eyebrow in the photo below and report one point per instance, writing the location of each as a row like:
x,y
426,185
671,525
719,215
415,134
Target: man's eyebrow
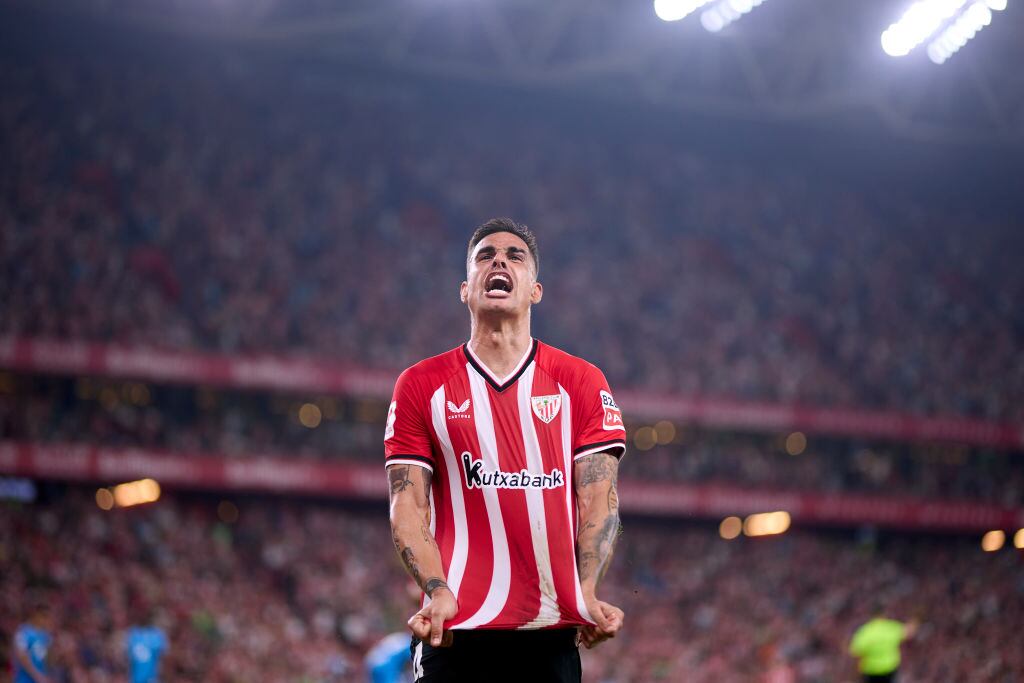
x,y
486,250
514,250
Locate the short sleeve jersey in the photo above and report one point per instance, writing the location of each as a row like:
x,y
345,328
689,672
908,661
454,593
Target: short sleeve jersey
x,y
503,507
145,646
877,645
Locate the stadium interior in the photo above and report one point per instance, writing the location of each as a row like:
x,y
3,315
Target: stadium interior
x,y
226,227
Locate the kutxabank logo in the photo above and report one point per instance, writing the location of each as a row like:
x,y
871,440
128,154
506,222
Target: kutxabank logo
x,y
477,477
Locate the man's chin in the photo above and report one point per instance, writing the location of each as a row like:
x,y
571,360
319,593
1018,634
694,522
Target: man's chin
x,y
507,306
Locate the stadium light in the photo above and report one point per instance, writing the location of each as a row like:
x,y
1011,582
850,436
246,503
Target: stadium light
x,y
714,19
665,432
917,24
767,523
730,528
1018,539
796,443
136,493
960,32
104,499
993,540
674,10
645,438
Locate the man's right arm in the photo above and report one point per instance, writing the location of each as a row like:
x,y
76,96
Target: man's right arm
x,y
410,532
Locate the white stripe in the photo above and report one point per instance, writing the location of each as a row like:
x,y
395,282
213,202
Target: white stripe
x,y
548,614
460,549
501,575
581,606
417,662
510,375
400,461
601,449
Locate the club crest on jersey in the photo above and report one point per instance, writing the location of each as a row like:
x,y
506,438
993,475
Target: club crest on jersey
x,y
479,478
456,412
546,407
612,415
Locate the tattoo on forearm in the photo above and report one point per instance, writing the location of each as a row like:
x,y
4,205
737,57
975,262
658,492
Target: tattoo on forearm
x,y
399,479
595,549
433,584
596,538
427,536
409,559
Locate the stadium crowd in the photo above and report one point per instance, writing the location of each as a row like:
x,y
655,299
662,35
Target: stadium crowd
x,y
288,591
237,424
225,206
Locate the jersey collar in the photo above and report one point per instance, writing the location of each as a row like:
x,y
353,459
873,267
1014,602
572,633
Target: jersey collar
x,y
501,384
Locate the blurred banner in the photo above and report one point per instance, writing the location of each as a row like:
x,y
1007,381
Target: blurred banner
x,y
367,482
283,373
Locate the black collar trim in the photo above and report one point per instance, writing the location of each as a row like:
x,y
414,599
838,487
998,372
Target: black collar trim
x,y
487,375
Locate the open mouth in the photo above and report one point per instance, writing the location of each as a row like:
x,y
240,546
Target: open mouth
x,y
498,282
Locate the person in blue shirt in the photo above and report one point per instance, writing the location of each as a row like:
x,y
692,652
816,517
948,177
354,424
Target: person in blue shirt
x,y
32,641
145,645
388,660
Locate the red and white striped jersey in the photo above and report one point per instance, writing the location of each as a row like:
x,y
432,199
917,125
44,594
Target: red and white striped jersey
x,y
503,505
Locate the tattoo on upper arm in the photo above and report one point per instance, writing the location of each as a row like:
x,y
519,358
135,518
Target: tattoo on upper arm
x,y
613,498
399,479
597,467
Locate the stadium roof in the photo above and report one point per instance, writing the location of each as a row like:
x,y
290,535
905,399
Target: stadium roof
x,y
791,60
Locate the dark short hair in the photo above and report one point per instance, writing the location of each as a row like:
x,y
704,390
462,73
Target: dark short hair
x,y
506,225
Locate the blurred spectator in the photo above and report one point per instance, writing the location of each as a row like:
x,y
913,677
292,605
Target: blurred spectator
x,y
32,643
145,646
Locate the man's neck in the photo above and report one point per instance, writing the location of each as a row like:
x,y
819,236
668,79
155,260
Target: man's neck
x,y
500,344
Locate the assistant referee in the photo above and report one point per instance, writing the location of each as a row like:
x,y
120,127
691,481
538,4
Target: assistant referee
x,y
876,645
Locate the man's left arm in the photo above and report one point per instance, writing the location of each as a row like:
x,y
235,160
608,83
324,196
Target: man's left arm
x,y
596,478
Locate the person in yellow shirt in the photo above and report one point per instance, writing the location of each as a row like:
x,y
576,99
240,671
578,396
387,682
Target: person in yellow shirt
x,y
876,645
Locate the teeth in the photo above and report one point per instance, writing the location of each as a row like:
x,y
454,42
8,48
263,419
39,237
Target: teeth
x,y
493,280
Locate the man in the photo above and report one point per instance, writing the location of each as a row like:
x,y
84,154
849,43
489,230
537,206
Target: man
x,y
32,642
145,646
388,660
502,458
876,645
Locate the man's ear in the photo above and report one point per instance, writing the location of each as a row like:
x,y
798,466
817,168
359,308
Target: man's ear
x,y
464,292
537,294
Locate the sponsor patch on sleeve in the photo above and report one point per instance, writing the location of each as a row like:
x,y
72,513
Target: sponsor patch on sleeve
x,y
389,430
612,419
